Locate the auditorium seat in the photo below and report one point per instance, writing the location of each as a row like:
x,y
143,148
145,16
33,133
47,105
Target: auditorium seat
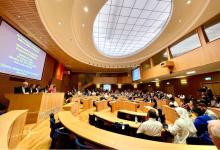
x,y
62,139
121,115
121,128
80,144
99,123
92,119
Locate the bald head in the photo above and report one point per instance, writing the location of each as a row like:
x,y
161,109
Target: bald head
x,y
25,84
152,114
214,131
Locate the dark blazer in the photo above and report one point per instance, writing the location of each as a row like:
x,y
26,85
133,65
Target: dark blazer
x,y
18,90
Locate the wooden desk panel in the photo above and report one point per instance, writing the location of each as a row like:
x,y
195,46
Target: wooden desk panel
x,y
147,108
142,104
132,116
133,113
100,105
87,103
73,107
115,119
160,103
170,113
39,105
11,131
123,105
139,99
117,141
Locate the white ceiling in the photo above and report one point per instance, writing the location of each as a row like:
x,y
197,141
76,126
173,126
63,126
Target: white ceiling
x,y
125,27
71,27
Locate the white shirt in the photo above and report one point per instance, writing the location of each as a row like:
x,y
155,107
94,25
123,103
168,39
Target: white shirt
x,y
174,104
179,130
151,127
24,90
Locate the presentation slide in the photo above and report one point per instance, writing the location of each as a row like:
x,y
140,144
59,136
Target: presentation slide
x,y
107,87
136,75
18,55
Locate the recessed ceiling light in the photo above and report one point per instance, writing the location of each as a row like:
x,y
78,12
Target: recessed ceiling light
x,y
59,23
86,9
83,25
179,20
188,2
19,16
180,77
208,78
191,72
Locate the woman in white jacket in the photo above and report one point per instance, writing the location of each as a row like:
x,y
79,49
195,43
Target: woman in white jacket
x,y
183,127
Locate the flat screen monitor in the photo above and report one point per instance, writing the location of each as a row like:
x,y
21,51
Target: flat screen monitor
x,y
136,75
18,55
107,87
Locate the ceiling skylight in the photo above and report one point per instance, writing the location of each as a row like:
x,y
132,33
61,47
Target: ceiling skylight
x,y
124,27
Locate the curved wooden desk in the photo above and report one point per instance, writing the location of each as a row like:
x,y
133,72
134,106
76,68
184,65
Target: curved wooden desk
x,y
170,114
100,105
127,105
142,104
131,115
87,103
115,119
117,141
39,105
11,130
73,107
147,108
161,102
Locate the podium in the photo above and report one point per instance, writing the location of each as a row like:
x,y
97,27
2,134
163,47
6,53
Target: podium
x,y
39,105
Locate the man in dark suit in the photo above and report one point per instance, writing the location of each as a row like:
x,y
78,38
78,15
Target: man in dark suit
x,y
22,89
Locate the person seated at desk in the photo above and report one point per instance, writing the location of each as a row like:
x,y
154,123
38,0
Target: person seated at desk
x,y
22,89
151,127
201,124
192,104
183,127
32,88
173,103
216,102
184,104
214,132
37,89
52,89
106,96
207,111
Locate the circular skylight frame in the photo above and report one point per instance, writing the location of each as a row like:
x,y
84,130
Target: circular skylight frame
x,y
122,4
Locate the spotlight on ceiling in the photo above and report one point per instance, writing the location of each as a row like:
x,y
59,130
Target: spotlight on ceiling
x,y
86,9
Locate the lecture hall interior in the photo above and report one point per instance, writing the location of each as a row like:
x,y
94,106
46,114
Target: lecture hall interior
x,y
110,74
